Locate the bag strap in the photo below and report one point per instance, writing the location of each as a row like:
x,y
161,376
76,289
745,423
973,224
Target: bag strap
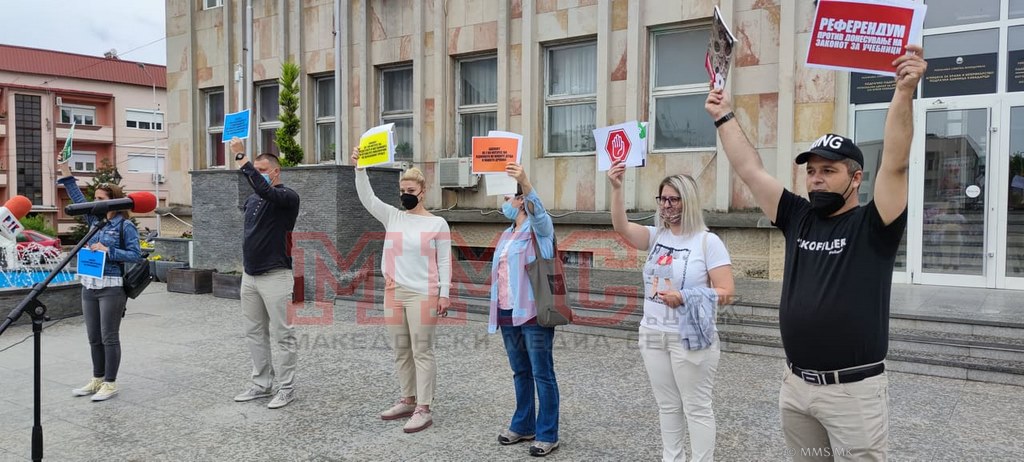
x,y
533,237
707,270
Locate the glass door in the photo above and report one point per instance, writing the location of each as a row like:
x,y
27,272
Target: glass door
x,y
952,200
1010,195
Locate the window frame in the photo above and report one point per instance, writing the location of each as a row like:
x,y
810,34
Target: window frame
x,y
145,157
213,129
394,116
258,114
216,4
323,120
567,100
656,92
78,110
72,164
470,109
128,119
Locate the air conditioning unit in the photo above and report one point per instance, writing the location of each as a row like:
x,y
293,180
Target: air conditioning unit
x,y
457,172
158,178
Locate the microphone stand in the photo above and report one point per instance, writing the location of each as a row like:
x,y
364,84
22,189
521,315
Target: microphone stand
x,y
37,311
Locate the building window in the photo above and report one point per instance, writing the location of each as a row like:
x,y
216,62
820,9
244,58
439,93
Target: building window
x,y
678,91
83,161
144,120
396,95
214,128
325,117
210,4
477,100
28,129
570,98
267,109
144,163
82,115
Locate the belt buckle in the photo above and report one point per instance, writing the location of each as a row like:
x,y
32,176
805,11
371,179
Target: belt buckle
x,y
811,377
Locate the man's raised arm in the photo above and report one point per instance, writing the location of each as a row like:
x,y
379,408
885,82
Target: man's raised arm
x,y
742,155
891,186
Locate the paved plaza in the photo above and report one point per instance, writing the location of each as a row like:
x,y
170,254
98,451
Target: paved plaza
x,y
184,358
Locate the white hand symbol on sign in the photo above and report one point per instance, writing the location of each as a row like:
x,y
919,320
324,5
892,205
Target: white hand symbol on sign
x,y
618,148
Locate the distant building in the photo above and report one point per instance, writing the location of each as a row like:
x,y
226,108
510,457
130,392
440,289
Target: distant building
x,y
118,122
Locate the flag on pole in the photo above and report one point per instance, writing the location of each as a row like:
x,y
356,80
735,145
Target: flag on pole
x,y
65,154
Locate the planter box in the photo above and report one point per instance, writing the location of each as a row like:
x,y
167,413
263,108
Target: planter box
x,y
227,285
163,266
190,281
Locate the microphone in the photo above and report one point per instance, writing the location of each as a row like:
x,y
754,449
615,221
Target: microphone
x,y
137,202
11,214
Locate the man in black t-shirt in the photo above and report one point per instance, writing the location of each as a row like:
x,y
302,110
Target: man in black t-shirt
x,y
834,312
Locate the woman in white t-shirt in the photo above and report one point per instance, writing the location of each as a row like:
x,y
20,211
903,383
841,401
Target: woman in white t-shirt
x,y
683,256
418,275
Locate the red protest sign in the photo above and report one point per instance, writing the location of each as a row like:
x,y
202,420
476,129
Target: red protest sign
x,y
617,145
863,35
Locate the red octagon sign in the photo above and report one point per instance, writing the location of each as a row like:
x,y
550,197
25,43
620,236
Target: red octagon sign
x,y
617,145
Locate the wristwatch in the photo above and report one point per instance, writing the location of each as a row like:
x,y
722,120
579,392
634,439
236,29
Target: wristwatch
x,y
724,119
239,156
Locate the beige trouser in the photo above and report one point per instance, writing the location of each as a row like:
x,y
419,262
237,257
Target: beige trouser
x,y
683,381
411,318
846,421
265,301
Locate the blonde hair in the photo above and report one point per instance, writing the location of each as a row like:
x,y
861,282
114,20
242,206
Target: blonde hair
x,y
692,219
414,174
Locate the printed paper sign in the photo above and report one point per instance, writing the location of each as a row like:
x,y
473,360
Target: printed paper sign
x,y
491,153
719,54
863,35
500,184
377,146
622,142
91,262
236,125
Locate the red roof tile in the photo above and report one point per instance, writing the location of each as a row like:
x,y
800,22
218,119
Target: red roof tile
x,y
61,64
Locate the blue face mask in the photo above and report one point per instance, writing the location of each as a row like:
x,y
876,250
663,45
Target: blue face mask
x,y
266,176
510,212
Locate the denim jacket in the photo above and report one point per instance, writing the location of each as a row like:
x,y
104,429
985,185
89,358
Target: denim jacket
x,y
521,253
110,235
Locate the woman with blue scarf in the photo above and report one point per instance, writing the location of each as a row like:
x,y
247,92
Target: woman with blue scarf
x,y
513,310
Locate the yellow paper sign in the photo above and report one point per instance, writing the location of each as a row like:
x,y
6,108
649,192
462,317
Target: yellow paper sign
x,y
376,146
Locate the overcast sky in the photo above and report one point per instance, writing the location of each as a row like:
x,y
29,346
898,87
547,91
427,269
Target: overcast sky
x,y
89,27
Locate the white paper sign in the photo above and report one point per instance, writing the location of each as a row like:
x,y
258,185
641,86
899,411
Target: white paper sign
x,y
500,184
625,141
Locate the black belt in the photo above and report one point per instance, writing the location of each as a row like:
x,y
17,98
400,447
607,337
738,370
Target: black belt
x,y
853,374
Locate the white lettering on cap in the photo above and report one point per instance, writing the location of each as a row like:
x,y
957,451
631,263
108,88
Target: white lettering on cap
x,y
832,141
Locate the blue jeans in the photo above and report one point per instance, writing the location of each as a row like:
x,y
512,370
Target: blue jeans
x,y
529,353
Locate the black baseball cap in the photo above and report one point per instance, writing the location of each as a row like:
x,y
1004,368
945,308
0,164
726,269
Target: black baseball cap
x,y
833,147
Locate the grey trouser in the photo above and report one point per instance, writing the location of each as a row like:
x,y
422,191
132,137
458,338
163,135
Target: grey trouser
x,y
102,310
265,300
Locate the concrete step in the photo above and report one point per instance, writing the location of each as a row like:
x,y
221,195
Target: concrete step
x,y
919,343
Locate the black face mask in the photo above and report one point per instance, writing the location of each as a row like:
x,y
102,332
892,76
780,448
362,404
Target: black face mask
x,y
825,203
409,201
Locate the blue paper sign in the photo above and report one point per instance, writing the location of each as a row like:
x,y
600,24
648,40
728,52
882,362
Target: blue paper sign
x,y
91,262
236,124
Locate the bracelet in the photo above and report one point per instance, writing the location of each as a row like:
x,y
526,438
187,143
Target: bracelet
x,y
724,119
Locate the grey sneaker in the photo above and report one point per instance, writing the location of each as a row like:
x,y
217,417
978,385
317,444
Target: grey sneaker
x,y
92,387
420,420
254,392
541,448
107,390
508,437
282,399
400,410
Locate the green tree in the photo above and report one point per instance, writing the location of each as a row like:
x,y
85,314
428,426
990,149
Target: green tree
x,y
37,222
291,152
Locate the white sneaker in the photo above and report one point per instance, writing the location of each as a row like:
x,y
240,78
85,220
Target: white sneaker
x,y
254,392
107,390
92,387
282,399
420,420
